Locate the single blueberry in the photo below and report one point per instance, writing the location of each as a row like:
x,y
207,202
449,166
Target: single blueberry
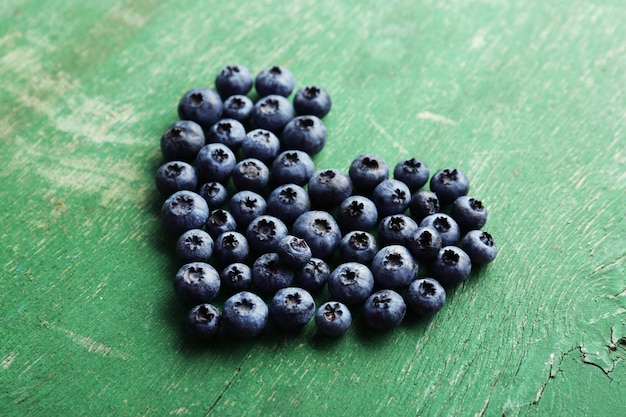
x,y
194,245
231,247
313,275
232,80
413,172
203,321
396,229
351,283
244,315
196,282
423,203
292,167
357,213
425,296
384,309
328,188
261,144
293,251
445,225
251,174
182,140
238,107
214,193
479,246
229,132
391,197
333,318
367,171
288,202
272,113
312,100
246,205
201,105
358,246
451,266
469,213
264,233
449,184
394,267
218,222
236,277
424,243
270,274
292,307
175,176
274,80
184,210
305,133
215,162
320,230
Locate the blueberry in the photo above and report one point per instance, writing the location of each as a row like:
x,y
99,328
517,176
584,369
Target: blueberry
x,y
230,132
218,222
469,213
292,307
312,100
351,283
270,274
424,243
246,205
293,251
367,171
423,203
215,162
244,315
272,113
231,247
214,193
384,310
194,245
274,80
413,172
320,230
203,321
261,144
292,167
333,318
394,267
182,140
396,229
238,107
232,80
357,213
391,197
184,210
288,202
329,187
449,184
425,296
236,277
358,246
313,275
196,282
445,225
305,133
479,246
201,105
175,176
451,266
264,233
251,174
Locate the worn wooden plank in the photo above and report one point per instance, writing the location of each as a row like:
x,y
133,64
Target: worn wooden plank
x,y
526,97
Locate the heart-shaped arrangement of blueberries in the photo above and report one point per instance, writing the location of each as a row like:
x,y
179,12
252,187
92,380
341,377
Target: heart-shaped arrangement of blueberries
x,y
257,227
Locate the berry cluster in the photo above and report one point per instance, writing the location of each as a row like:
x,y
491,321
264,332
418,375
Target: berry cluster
x,y
254,221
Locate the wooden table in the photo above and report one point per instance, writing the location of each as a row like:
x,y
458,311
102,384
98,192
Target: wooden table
x,y
527,97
